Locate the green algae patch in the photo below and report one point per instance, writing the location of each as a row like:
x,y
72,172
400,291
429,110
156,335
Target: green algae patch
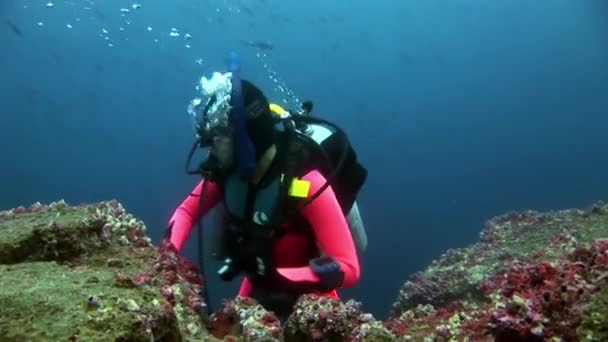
x,y
90,273
55,233
594,226
46,301
594,326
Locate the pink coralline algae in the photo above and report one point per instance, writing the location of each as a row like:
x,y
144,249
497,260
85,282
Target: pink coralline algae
x,y
173,268
170,272
504,240
318,318
322,317
243,316
34,208
142,278
542,300
531,301
531,277
171,263
315,318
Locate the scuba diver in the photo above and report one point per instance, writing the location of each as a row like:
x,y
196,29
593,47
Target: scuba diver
x,y
285,186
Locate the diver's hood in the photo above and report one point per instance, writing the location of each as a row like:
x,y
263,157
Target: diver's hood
x,y
229,105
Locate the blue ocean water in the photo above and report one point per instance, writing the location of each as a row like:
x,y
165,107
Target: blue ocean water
x,y
460,110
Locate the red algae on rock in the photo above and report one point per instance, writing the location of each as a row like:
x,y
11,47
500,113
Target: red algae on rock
x,y
536,274
317,318
243,316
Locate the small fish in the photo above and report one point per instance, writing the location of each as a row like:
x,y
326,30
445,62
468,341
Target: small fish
x,y
16,30
263,45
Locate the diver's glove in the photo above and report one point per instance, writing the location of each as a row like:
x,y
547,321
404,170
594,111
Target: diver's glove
x,y
329,273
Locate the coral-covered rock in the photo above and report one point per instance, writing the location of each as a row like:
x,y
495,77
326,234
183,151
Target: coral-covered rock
x,y
533,277
544,300
318,318
314,318
244,317
89,272
505,239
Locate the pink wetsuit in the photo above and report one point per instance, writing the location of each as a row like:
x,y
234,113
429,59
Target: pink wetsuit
x,y
324,215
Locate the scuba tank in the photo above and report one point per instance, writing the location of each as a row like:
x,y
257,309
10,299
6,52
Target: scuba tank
x,y
351,174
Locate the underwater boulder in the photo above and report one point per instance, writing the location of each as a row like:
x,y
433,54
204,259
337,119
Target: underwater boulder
x,y
532,277
90,273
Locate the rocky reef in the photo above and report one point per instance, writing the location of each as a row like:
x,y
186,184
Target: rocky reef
x,y
532,277
90,273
